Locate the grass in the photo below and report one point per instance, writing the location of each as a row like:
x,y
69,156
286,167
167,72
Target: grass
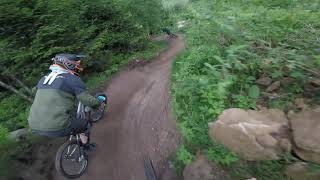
x,y
230,44
176,4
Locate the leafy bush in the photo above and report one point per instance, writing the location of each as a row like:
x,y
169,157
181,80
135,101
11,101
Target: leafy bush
x,y
33,31
13,113
230,45
176,4
110,32
219,154
96,80
3,135
183,158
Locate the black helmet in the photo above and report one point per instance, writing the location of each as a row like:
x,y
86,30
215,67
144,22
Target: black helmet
x,y
69,61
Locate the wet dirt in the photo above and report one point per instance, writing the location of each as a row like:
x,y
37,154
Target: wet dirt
x,y
137,124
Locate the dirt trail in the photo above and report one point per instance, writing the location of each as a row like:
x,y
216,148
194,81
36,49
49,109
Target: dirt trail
x,y
138,123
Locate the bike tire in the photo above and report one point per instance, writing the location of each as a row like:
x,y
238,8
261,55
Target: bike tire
x,y
59,159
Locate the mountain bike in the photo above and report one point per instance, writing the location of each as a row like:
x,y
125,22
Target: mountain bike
x,y
71,159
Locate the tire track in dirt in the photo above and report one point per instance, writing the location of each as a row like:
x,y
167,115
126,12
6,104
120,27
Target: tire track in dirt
x,y
138,123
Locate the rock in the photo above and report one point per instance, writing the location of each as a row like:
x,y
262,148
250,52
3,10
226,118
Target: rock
x,y
310,90
264,81
19,134
270,95
202,169
267,62
315,82
301,103
261,107
181,24
274,86
307,154
306,132
254,135
300,171
287,80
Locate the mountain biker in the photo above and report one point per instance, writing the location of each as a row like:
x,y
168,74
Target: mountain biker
x,y
52,112
168,32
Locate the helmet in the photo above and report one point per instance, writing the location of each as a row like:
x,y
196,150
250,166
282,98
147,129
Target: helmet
x,y
68,61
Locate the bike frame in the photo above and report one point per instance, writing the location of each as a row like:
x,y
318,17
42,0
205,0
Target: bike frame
x,y
81,113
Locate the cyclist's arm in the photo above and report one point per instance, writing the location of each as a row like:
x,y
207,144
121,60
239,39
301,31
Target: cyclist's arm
x,y
88,100
82,94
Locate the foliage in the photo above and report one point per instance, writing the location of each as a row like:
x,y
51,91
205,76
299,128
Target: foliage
x,y
33,31
3,135
271,170
110,32
219,154
13,113
148,14
117,61
230,45
183,157
176,4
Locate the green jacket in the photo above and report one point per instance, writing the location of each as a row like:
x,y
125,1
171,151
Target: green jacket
x,y
55,105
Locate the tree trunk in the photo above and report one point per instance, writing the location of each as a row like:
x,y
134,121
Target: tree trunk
x,y
13,89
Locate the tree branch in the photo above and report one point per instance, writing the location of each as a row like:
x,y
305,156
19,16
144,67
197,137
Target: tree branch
x,y
13,89
24,86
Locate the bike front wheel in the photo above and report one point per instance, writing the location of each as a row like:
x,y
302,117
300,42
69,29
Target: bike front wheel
x,y
71,162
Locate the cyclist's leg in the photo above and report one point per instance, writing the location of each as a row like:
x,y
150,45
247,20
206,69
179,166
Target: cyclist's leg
x,y
82,127
59,133
76,126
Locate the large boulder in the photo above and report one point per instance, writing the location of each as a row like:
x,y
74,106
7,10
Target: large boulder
x,y
306,134
253,135
202,169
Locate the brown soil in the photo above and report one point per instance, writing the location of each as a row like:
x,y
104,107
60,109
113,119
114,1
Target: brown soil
x,y
138,123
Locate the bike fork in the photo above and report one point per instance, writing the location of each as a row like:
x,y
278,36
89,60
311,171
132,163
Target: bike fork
x,y
71,151
81,157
